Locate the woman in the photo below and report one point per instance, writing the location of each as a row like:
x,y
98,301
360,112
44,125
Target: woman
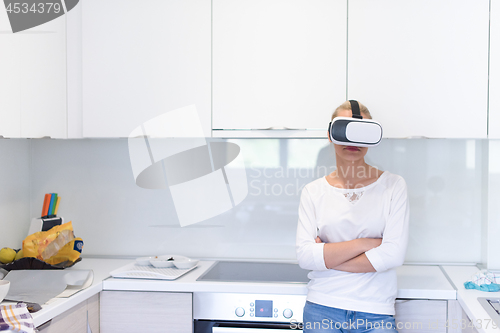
x,y
352,233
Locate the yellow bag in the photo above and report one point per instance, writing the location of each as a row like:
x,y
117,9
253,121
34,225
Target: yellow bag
x,y
55,245
69,252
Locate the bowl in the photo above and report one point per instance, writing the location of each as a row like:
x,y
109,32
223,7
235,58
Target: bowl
x,y
4,289
143,261
185,263
161,262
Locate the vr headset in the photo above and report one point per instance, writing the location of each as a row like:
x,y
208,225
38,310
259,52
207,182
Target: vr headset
x,y
355,131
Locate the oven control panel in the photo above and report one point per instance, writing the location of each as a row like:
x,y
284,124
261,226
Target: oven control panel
x,y
248,307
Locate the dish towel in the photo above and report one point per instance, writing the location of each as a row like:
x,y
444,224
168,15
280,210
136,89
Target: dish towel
x,y
484,281
16,318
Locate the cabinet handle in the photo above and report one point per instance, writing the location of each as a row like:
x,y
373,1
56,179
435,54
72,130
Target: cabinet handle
x,y
281,128
43,326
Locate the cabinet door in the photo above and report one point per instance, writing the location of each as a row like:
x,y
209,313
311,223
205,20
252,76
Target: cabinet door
x,y
33,79
142,59
42,55
93,311
126,311
10,88
494,95
423,316
459,322
468,325
278,63
74,320
421,66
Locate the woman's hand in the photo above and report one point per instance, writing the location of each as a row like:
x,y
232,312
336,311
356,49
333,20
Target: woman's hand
x,y
318,240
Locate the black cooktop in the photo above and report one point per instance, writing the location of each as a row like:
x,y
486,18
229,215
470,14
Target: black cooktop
x,y
241,271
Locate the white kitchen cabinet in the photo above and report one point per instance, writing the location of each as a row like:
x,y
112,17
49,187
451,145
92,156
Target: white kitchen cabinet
x,y
467,326
126,311
421,66
143,59
78,319
10,81
94,314
431,316
494,93
421,316
277,64
33,80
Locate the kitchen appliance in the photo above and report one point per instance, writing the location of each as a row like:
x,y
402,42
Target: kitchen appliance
x,y
249,312
44,224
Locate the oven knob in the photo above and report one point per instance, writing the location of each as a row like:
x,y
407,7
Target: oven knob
x,y
287,313
240,312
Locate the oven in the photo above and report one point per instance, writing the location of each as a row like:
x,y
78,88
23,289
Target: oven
x,y
247,313
233,312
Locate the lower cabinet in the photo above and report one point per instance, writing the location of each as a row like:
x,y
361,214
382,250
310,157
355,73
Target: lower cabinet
x,y
436,316
467,325
135,311
82,318
421,316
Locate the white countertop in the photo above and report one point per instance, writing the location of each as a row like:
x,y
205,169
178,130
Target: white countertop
x,y
424,282
417,282
188,283
468,297
56,306
414,282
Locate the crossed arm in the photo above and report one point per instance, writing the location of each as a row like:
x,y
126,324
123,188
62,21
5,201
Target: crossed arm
x,y
349,256
360,255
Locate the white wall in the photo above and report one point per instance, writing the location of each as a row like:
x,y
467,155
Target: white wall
x,y
14,191
115,217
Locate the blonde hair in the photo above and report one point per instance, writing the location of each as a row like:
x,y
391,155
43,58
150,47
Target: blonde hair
x,y
347,106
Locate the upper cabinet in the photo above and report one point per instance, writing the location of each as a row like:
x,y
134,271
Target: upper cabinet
x,y
494,95
421,67
254,68
143,59
277,64
33,79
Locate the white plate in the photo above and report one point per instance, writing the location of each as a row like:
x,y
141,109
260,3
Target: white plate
x,y
185,263
163,262
175,256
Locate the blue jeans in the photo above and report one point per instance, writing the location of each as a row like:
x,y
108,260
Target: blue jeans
x,y
320,318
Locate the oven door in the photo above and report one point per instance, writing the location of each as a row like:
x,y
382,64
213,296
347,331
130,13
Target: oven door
x,y
247,330
208,326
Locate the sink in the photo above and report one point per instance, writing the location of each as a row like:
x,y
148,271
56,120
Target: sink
x,y
492,307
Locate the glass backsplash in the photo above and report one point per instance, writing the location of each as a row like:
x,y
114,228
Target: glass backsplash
x,y
116,217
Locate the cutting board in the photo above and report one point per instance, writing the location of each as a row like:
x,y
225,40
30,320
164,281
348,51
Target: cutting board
x,y
39,286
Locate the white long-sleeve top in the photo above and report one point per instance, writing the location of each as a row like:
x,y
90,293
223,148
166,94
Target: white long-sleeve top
x,y
381,211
